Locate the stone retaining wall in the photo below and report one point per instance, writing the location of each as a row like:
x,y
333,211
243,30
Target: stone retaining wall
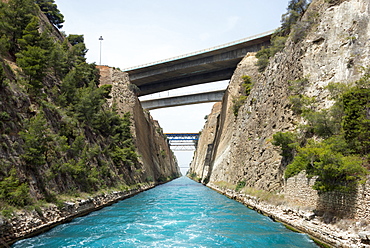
x,y
298,190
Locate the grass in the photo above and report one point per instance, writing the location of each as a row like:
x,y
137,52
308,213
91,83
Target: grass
x,y
269,197
263,195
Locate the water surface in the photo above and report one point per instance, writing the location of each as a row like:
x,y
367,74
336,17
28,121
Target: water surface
x,y
181,213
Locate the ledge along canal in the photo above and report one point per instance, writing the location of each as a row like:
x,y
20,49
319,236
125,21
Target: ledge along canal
x,y
181,213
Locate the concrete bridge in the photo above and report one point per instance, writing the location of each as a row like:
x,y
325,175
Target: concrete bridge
x,y
213,96
210,65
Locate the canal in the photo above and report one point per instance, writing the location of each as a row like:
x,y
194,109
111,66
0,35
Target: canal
x,y
181,213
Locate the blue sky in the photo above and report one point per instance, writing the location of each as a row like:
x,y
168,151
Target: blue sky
x,y
143,31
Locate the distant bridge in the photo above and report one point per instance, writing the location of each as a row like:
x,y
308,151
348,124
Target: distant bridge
x,y
209,65
213,96
182,141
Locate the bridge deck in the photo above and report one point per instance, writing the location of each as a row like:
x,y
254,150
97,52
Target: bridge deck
x,y
205,66
182,136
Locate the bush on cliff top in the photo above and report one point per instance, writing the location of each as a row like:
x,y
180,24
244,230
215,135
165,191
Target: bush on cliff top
x,y
290,25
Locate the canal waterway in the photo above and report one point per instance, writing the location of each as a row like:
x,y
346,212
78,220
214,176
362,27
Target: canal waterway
x,y
181,213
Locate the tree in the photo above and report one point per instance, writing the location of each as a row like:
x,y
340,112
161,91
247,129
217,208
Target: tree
x,y
288,144
78,47
295,11
356,123
32,57
30,35
334,170
36,138
13,191
15,16
51,11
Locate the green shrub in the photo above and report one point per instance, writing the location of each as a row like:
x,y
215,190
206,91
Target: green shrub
x,y
13,191
289,22
247,84
288,143
338,160
163,153
278,44
240,185
264,55
356,121
300,104
237,103
322,123
36,139
295,10
2,75
298,86
334,170
4,116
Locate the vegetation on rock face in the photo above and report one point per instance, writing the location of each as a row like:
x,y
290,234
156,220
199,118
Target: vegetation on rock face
x,y
295,11
334,143
247,87
51,11
61,138
240,185
291,25
277,44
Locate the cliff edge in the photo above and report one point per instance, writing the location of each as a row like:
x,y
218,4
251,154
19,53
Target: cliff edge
x,y
330,44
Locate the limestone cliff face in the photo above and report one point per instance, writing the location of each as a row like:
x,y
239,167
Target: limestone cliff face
x,y
334,50
200,166
241,148
156,158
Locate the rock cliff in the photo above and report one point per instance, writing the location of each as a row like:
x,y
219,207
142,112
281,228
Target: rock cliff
x,y
156,157
73,138
334,49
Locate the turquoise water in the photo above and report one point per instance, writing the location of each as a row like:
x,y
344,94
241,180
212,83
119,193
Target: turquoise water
x,y
181,213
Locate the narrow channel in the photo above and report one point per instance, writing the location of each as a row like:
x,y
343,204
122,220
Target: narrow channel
x,y
181,213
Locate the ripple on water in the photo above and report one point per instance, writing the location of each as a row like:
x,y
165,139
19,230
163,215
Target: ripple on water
x,y
181,213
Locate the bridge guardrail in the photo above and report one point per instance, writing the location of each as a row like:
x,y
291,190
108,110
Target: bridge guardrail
x,y
201,51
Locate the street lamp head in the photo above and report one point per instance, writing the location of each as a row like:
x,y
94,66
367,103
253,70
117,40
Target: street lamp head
x,y
101,38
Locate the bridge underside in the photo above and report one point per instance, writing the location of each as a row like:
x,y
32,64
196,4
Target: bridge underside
x,y
211,66
214,96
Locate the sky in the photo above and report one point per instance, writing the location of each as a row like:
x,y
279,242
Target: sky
x,y
143,31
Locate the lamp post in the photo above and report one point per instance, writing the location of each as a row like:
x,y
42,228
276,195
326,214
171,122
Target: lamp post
x,y
101,38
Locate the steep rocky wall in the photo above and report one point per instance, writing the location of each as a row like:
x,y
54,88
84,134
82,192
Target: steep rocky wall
x,y
242,150
334,50
200,165
157,165
156,157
